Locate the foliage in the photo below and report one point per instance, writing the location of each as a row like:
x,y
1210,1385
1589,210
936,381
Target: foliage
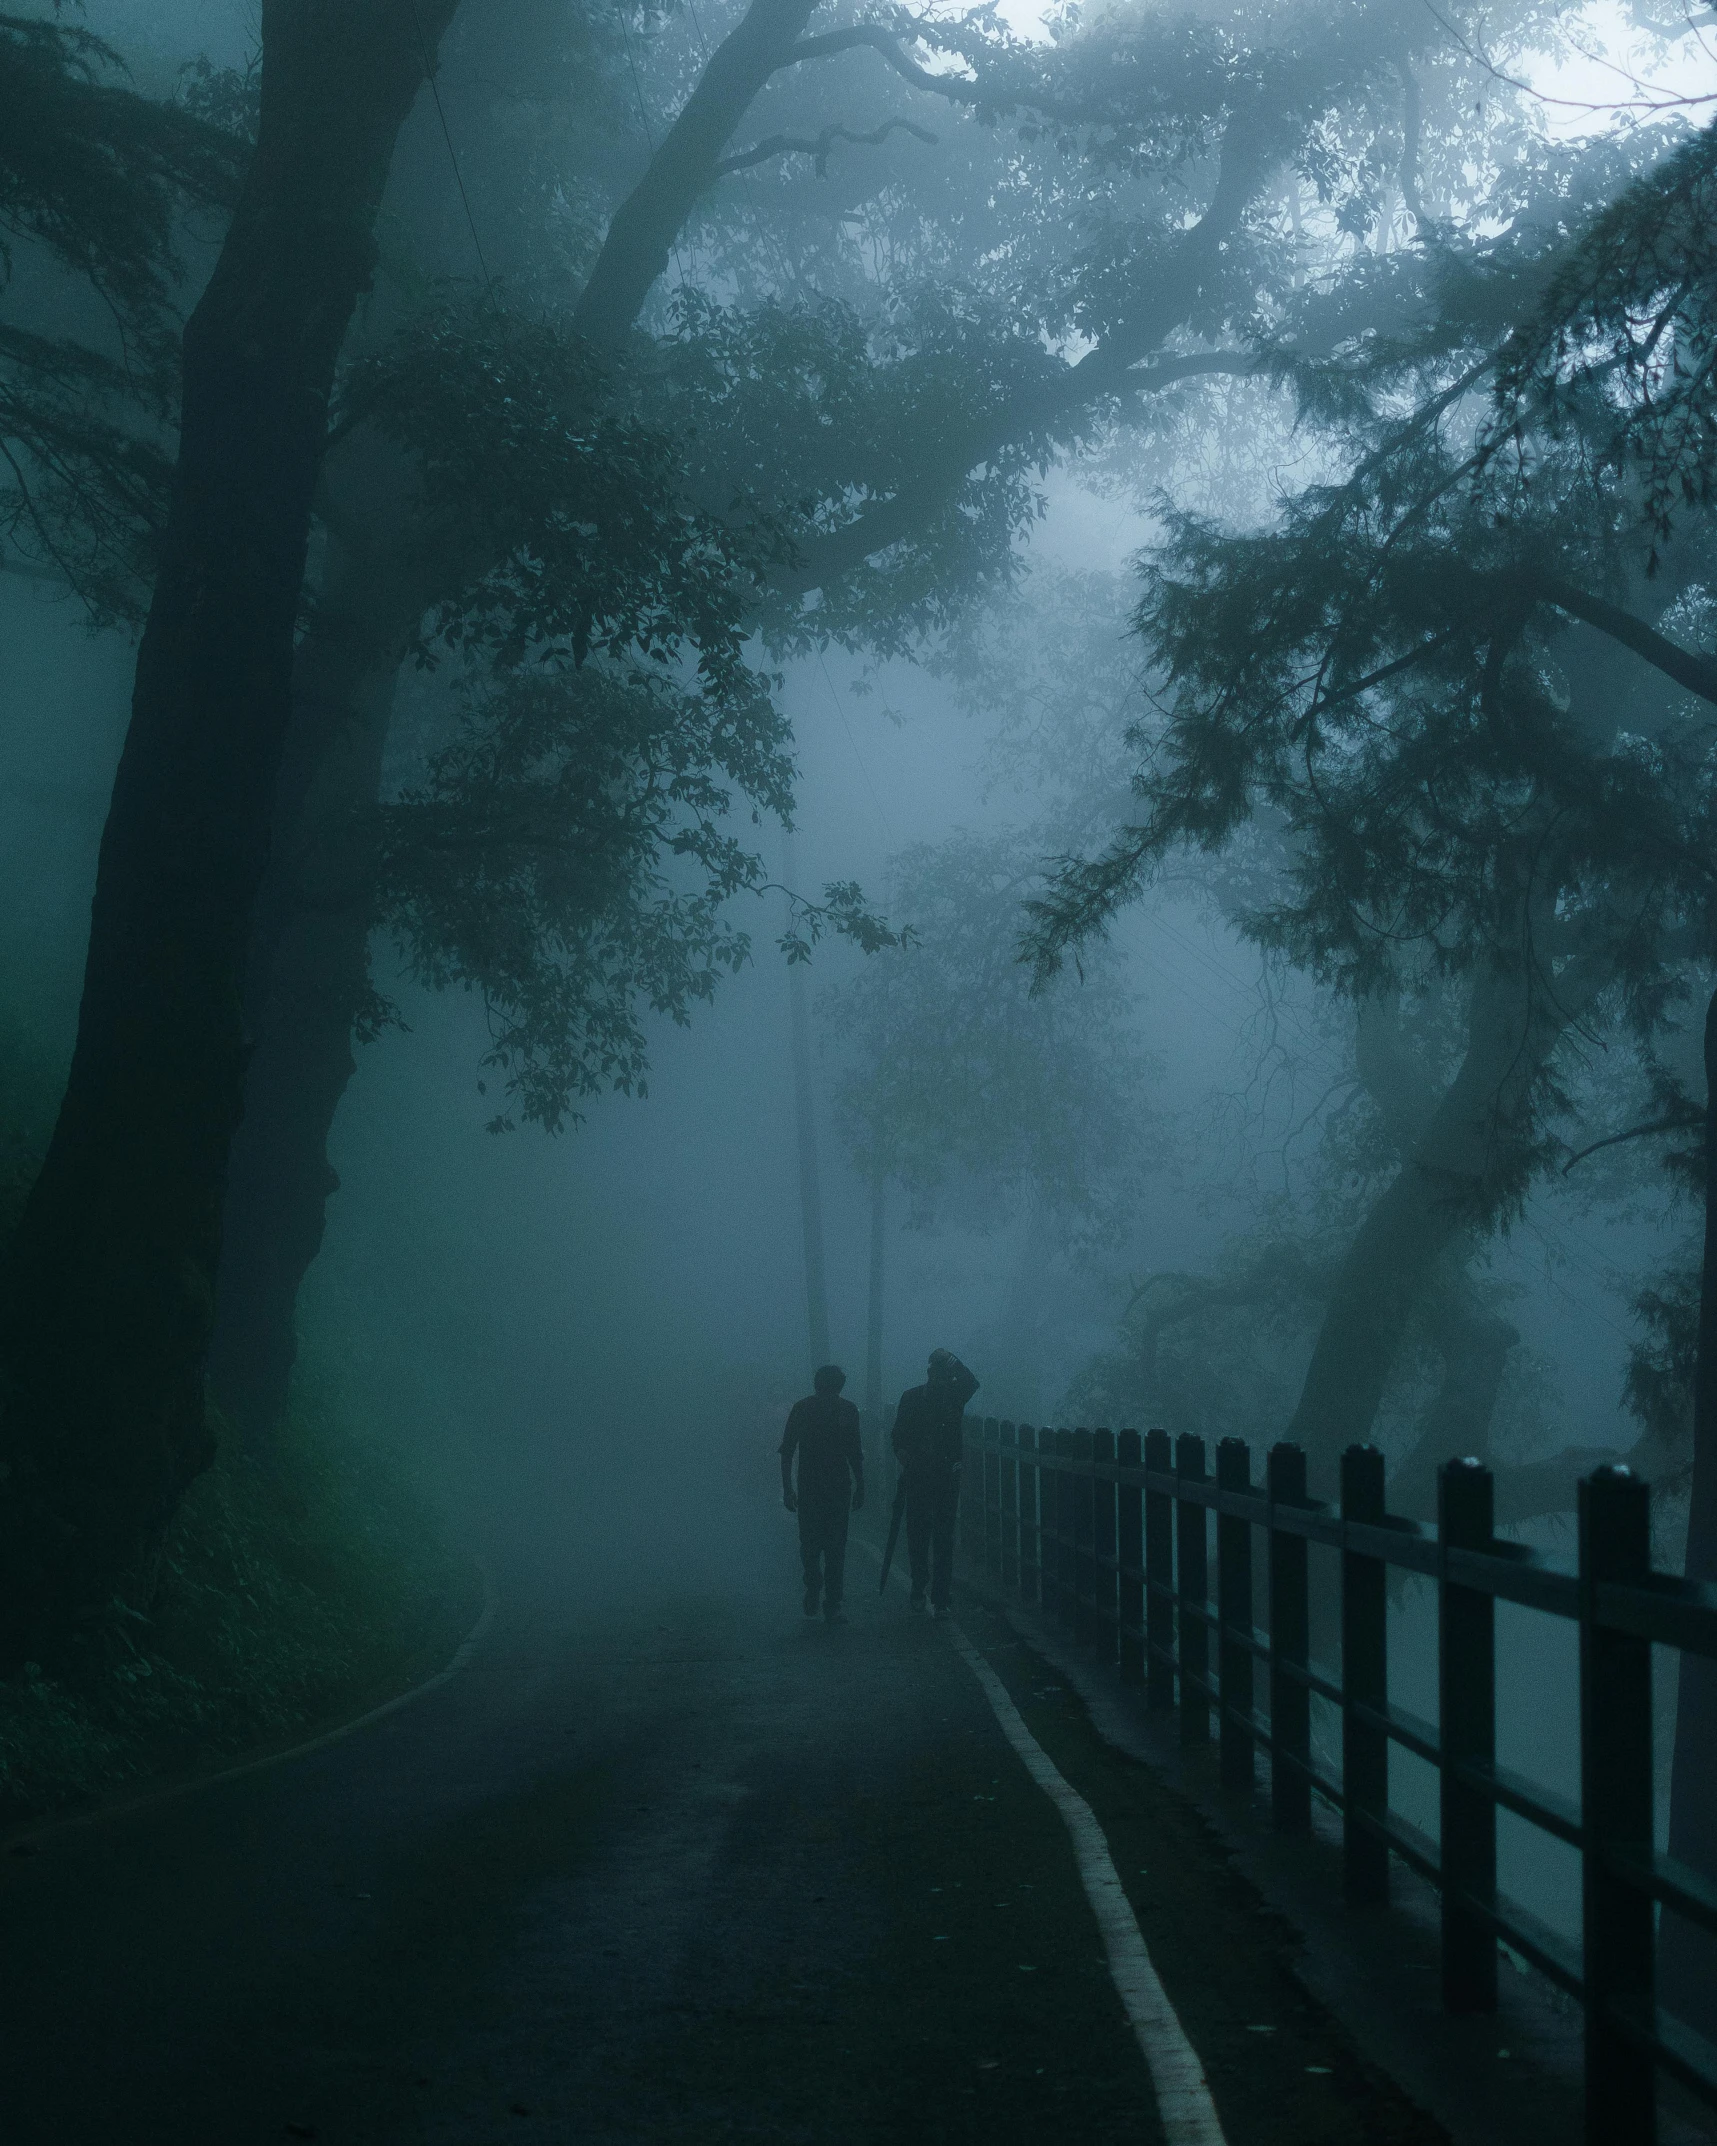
x,y
1390,678
571,506
567,855
95,177
1622,345
289,1592
1658,1386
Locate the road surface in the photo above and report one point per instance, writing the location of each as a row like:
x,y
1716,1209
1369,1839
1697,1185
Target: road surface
x,y
664,1863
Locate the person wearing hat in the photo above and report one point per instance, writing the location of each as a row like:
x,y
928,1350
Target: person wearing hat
x,y
823,1430
927,1444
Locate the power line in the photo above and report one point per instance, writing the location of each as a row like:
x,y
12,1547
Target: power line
x,y
429,73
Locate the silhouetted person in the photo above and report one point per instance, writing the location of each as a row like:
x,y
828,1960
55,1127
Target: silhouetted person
x,y
824,1431
927,1445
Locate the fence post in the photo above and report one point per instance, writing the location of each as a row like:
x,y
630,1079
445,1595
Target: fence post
x,y
1364,1682
1129,1565
1159,1581
1010,1508
1084,1545
992,1499
1290,1650
1234,1607
1030,1554
1046,1567
1049,1549
1192,1542
1466,1683
1105,1613
1066,1552
971,1500
1616,1809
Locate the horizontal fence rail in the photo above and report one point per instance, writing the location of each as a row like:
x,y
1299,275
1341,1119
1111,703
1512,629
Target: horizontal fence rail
x,y
1109,1538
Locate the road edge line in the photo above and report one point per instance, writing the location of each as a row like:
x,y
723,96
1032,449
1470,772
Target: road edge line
x,y
147,1799
1178,2079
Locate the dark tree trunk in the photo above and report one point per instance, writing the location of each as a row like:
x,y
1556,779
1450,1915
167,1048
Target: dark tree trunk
x,y
646,224
1689,1956
110,1286
309,987
309,966
308,977
1461,1168
1475,1345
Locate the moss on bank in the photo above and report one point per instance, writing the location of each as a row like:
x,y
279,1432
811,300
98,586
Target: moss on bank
x,y
289,1595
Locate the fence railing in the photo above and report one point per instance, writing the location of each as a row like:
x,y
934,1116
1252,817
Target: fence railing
x,y
1110,1539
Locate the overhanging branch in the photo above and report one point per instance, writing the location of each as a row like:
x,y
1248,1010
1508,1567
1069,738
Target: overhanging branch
x,y
873,35
819,146
1697,673
1127,360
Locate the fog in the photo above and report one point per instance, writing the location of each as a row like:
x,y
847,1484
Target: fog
x,y
1153,564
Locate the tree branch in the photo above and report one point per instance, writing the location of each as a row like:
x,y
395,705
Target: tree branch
x,y
647,222
1680,1122
955,87
1123,361
1697,673
801,145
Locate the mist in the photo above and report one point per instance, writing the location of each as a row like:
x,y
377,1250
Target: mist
x,y
764,772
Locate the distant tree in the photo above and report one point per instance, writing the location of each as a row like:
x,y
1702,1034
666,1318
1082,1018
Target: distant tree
x,y
1461,779
1419,674
958,1084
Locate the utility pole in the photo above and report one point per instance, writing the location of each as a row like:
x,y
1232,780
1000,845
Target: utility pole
x,y
810,1183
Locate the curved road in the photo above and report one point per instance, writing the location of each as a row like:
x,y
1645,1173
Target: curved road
x,y
665,1864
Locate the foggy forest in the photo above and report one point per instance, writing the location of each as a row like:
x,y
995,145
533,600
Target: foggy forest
x,y
858,976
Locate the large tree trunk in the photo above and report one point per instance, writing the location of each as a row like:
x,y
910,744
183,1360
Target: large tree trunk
x,y
110,1287
1689,1955
310,965
1475,1345
1464,1164
308,980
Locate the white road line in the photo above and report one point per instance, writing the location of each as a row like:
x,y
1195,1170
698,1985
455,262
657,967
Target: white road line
x,y
1183,2093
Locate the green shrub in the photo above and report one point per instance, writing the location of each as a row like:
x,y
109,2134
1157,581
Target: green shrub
x,y
289,1593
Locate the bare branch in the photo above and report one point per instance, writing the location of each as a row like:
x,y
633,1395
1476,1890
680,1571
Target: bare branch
x,y
800,145
1679,1122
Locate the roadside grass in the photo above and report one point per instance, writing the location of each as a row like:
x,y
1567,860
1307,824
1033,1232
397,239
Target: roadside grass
x,y
291,1592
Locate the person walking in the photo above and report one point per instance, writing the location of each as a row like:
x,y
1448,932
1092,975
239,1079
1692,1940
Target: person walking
x,y
823,1430
927,1444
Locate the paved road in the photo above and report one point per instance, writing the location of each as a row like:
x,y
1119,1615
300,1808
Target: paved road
x,y
663,1864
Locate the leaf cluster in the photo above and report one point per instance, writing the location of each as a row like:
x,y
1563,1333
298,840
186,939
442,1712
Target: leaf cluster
x,y
95,179
567,857
525,457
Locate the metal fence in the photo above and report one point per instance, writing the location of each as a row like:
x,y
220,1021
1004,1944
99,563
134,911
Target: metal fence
x,y
1110,1539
